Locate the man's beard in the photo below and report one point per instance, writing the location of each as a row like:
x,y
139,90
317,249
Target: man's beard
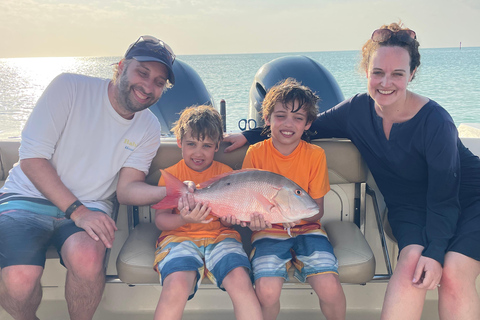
x,y
125,92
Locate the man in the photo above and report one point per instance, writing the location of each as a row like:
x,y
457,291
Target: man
x,y
86,139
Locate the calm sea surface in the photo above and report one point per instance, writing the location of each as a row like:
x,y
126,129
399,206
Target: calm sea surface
x,y
449,76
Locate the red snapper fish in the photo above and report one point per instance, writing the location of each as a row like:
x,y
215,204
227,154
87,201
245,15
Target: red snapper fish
x,y
241,193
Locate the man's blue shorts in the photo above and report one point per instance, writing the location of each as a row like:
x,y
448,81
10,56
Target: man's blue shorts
x,y
28,228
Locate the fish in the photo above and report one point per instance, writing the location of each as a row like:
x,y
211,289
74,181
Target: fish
x,y
241,193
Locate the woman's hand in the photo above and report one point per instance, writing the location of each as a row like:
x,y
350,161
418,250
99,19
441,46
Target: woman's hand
x,y
236,139
428,274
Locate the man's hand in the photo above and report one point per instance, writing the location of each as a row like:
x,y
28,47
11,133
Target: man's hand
x,y
236,139
97,224
190,186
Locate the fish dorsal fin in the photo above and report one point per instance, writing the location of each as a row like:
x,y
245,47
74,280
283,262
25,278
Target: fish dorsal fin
x,y
223,175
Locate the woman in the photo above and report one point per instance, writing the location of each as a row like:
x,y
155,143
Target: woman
x,y
430,181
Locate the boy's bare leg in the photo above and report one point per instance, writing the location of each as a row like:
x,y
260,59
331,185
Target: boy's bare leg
x,y
84,258
20,291
330,295
245,302
268,291
177,286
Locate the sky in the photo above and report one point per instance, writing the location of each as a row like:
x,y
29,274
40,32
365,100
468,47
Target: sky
x,y
74,28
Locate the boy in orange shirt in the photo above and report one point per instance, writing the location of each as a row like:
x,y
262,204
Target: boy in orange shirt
x,y
193,243
288,110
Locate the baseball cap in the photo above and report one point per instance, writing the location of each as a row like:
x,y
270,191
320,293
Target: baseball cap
x,y
148,48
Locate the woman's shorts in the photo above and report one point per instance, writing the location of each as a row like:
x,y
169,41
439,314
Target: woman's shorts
x,y
410,229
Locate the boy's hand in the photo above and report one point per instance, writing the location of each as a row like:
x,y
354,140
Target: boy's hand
x,y
198,214
257,222
288,225
231,220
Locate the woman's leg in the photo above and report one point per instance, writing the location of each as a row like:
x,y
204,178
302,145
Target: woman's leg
x,y
457,294
402,299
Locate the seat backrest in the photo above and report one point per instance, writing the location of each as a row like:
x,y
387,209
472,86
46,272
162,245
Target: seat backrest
x,y
346,168
8,157
345,164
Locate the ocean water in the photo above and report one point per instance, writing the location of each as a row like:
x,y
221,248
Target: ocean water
x,y
449,76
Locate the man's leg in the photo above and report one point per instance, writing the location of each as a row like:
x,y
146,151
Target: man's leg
x,y
24,238
20,291
85,282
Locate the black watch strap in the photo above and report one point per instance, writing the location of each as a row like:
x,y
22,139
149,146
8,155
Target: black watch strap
x,y
74,206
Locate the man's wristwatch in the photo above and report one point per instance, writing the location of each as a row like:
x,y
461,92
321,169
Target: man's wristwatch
x,y
74,206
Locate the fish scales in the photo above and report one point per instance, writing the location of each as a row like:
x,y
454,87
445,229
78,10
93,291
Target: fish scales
x,y
244,192
238,194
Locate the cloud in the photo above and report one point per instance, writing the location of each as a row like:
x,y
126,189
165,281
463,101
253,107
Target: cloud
x,y
85,28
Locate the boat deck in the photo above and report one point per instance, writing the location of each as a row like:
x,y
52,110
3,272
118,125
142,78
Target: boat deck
x,y
122,302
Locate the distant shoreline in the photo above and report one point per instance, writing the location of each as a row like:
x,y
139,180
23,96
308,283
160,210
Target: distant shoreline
x,y
232,54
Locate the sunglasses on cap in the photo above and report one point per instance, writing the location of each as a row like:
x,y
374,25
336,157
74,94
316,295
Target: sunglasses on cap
x,y
154,41
382,35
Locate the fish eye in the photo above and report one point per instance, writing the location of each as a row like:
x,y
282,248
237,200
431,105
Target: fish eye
x,y
298,192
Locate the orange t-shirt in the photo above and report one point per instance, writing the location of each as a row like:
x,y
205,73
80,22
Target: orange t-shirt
x,y
197,230
306,166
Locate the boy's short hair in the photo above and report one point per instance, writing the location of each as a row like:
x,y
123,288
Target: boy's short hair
x,y
203,121
288,91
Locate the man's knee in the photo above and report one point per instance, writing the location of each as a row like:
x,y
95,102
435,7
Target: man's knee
x,y
20,281
85,261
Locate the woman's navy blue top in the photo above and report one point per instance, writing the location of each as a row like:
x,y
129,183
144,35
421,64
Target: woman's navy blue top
x,y
420,169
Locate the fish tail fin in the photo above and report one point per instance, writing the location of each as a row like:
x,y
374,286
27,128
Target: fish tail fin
x,y
175,189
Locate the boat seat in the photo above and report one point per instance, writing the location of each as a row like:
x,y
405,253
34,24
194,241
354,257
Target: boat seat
x,y
347,171
8,157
